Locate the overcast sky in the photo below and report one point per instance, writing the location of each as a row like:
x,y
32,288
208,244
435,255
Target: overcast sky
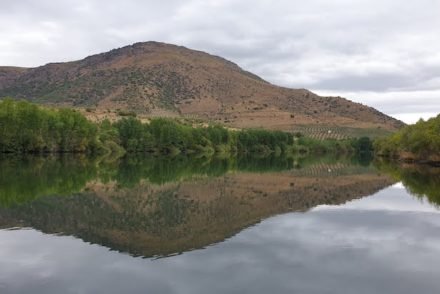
x,y
384,53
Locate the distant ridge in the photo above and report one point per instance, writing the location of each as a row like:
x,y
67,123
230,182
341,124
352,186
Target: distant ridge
x,y
158,79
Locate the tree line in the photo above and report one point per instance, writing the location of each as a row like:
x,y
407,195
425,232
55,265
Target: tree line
x,y
418,142
28,128
170,136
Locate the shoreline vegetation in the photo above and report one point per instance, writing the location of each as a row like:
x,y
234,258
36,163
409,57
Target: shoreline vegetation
x,y
418,143
29,128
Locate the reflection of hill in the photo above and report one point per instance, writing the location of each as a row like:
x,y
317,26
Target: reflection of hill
x,y
150,219
331,170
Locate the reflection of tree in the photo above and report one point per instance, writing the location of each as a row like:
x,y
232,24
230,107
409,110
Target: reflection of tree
x,y
420,180
24,179
27,178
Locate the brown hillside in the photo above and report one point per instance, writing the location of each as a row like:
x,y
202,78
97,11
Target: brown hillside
x,y
156,79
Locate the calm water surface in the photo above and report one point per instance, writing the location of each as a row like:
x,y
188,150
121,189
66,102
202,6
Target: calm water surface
x,y
248,225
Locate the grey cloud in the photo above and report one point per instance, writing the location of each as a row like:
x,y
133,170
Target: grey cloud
x,y
374,82
405,102
328,45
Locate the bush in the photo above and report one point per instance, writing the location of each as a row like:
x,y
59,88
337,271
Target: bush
x,y
421,139
26,127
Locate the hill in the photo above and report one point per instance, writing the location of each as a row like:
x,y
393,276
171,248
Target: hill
x,y
157,79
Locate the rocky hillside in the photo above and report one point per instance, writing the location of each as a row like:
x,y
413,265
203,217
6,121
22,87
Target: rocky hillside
x,y
156,79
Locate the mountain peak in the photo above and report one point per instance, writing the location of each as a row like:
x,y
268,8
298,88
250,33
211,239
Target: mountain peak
x,y
153,79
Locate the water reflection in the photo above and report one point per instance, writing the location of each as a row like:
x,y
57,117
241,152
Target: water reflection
x,y
307,225
26,178
422,181
354,250
148,206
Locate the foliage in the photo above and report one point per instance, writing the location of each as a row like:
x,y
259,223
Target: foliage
x,y
363,145
422,140
25,127
326,146
169,136
28,128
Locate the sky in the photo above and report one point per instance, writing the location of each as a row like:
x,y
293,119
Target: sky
x,y
382,53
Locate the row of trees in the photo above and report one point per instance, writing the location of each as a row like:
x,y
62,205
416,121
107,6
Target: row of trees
x,y
420,141
168,136
26,128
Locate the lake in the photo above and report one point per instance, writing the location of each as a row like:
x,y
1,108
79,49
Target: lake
x,y
142,224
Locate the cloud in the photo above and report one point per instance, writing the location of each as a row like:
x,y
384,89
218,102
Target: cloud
x,y
342,46
406,105
386,243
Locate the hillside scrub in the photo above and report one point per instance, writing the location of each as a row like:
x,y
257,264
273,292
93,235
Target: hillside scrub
x,y
28,128
419,142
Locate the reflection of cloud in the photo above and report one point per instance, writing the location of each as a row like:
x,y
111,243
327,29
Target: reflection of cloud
x,y
399,185
343,250
390,199
339,45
